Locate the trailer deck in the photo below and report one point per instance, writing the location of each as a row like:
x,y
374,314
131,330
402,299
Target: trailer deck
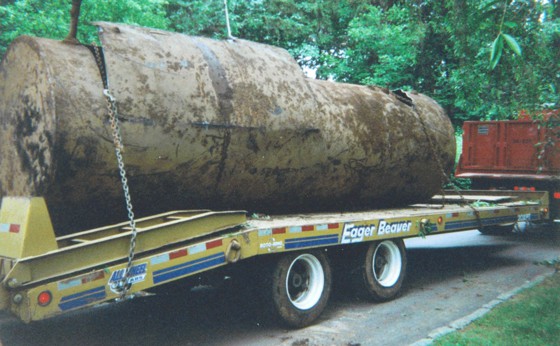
x,y
43,276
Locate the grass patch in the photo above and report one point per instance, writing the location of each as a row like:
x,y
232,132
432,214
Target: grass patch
x,y
530,318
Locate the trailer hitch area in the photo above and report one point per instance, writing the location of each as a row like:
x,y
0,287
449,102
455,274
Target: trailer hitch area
x,y
233,252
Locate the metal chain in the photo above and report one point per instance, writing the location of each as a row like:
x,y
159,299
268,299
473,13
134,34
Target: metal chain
x,y
123,286
444,177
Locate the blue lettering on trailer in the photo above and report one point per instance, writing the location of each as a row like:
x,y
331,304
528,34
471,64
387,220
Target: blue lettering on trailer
x,y
188,267
83,298
311,241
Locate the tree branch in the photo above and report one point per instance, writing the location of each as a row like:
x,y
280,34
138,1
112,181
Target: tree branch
x,y
74,16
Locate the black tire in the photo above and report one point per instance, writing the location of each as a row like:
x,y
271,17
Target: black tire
x,y
497,230
301,286
382,270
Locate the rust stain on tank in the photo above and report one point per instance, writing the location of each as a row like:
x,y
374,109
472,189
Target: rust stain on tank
x,y
206,124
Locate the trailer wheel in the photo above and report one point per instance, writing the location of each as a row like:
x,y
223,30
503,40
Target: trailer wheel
x,y
301,285
382,270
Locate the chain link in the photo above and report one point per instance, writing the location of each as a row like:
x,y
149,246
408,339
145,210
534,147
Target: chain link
x,y
123,286
444,176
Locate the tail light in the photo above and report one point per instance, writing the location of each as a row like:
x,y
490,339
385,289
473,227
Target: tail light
x,y
557,195
44,298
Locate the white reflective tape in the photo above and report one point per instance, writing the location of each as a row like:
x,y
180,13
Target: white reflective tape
x,y
295,229
197,248
63,285
159,259
5,227
265,232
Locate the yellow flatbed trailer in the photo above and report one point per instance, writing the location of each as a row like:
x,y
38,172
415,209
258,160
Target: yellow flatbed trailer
x,y
43,276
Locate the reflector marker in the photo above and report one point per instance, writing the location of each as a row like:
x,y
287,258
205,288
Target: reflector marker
x,y
191,250
265,232
188,268
295,229
213,244
197,249
80,280
178,254
9,228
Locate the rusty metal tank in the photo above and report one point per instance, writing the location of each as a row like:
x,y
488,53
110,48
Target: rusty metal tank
x,y
206,124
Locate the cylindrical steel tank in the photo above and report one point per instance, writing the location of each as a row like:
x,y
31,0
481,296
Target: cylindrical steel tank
x,y
206,124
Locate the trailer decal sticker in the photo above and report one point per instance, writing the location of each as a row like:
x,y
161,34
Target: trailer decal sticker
x,y
273,243
449,226
9,228
83,298
311,241
81,280
188,267
137,274
393,227
354,234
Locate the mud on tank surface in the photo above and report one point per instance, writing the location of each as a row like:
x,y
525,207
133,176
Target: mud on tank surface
x,y
206,124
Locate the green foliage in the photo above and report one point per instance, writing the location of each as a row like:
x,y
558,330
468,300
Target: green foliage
x,y
437,47
51,19
383,48
528,319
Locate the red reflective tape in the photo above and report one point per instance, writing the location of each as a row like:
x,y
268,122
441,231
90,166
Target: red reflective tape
x,y
334,225
213,244
455,215
180,253
557,195
307,228
279,230
14,228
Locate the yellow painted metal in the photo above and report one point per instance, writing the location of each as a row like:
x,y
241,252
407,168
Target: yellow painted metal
x,y
26,228
109,244
73,288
